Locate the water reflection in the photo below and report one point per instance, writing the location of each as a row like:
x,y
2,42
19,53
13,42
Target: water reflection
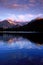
x,y
17,42
18,50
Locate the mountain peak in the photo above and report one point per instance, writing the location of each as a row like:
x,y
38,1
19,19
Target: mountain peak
x,y
11,21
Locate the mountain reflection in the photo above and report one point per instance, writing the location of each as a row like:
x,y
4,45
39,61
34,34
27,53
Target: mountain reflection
x,y
20,50
17,42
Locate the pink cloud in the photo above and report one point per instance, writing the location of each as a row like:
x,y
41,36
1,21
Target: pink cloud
x,y
20,6
24,17
32,1
17,6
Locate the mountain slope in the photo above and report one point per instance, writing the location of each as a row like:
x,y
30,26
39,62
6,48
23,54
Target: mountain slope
x,y
34,25
10,24
5,24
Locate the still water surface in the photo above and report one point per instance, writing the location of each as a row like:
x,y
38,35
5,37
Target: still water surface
x,y
17,50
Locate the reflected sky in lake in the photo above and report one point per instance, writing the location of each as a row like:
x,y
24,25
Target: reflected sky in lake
x,y
17,50
17,42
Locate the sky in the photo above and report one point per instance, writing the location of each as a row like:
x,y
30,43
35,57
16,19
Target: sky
x,y
21,10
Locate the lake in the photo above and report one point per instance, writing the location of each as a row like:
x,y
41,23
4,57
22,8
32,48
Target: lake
x,y
21,49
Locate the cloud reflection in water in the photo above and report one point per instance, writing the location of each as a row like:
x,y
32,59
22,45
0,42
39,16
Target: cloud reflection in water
x,y
17,50
17,42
